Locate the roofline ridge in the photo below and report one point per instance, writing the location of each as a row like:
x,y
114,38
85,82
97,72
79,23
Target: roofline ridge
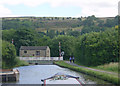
x,y
34,47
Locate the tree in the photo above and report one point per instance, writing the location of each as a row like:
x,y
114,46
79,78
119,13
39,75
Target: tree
x,y
79,18
51,34
74,33
43,41
25,37
62,33
8,55
97,48
89,29
8,35
57,33
67,45
100,23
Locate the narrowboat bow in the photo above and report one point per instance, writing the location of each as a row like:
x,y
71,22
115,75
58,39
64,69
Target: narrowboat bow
x,y
60,78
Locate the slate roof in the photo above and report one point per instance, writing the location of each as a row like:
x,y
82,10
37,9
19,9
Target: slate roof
x,y
33,47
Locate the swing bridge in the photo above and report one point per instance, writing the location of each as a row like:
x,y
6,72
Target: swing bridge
x,y
41,60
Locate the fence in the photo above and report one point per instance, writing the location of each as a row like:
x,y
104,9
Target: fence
x,y
41,58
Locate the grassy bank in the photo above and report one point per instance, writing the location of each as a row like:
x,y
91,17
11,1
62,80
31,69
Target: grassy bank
x,y
113,67
17,63
101,75
20,63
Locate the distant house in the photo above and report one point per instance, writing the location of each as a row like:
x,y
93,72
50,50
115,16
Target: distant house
x,y
34,51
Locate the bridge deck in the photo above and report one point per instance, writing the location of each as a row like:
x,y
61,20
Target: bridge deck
x,y
41,60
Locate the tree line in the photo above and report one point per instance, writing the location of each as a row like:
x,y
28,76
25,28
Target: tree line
x,y
93,47
95,44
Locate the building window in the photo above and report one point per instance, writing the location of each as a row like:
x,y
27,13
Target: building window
x,y
25,51
37,53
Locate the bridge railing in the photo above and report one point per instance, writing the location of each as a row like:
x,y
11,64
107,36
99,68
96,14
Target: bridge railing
x,y
41,58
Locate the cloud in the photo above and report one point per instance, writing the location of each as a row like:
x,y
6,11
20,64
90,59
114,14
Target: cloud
x,y
30,3
87,7
99,8
58,3
99,12
119,8
9,2
34,3
4,11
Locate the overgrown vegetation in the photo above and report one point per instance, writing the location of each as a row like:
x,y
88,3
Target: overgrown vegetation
x,y
113,67
102,75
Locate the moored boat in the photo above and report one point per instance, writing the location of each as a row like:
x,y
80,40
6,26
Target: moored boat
x,y
60,78
9,75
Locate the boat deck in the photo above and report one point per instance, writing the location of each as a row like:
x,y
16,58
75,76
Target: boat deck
x,y
67,81
62,79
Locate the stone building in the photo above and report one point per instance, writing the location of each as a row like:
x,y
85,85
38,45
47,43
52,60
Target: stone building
x,y
34,51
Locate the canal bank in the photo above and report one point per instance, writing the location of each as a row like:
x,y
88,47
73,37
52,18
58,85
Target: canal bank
x,y
97,74
33,74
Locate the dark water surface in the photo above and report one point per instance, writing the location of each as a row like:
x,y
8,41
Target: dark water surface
x,y
34,73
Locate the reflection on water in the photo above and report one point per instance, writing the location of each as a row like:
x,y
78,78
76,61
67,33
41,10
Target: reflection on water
x,y
34,73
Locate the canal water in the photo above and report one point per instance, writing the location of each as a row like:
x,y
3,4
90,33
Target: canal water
x,y
34,73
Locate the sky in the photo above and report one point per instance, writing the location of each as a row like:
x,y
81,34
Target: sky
x,y
58,8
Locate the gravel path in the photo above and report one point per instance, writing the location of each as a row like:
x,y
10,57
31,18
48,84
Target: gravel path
x,y
91,68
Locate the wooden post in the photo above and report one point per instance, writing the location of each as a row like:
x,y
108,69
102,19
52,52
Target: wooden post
x,y
59,50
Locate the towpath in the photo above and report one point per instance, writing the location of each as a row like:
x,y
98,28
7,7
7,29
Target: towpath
x,y
91,68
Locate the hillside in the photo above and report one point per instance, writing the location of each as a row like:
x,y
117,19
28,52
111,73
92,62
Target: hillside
x,y
42,24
